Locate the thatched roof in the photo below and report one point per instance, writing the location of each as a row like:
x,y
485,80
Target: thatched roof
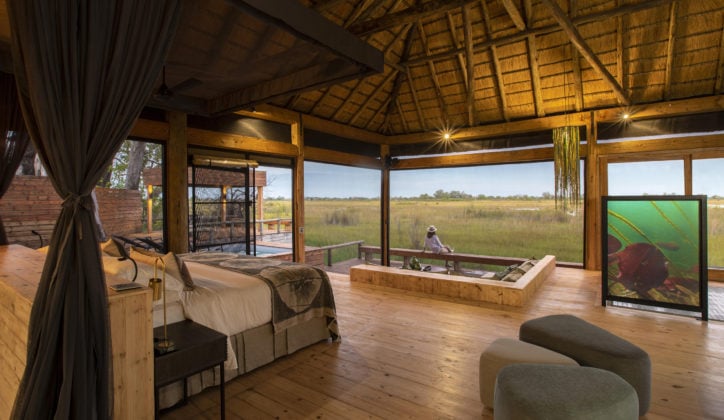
x,y
447,64
529,59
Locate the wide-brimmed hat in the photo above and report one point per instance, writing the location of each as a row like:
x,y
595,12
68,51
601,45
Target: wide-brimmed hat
x,y
432,229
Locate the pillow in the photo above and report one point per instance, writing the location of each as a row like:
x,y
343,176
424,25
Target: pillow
x,y
109,248
175,266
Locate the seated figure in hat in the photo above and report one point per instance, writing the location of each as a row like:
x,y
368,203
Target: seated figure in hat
x,y
433,243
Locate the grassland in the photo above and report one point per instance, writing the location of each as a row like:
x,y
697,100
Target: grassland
x,y
502,227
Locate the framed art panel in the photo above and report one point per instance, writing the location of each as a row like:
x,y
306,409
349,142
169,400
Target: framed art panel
x,y
654,251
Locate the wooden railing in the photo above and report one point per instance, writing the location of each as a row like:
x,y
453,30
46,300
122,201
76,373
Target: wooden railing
x,y
278,225
329,249
368,252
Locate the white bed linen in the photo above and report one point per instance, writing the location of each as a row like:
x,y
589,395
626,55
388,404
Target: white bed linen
x,y
226,301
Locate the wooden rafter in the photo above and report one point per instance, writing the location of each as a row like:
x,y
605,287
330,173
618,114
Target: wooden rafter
x,y
371,96
719,85
433,74
514,14
411,14
576,64
533,62
405,125
326,5
400,76
519,36
385,105
502,101
423,122
577,40
619,50
230,22
461,56
366,13
670,50
356,13
353,91
469,61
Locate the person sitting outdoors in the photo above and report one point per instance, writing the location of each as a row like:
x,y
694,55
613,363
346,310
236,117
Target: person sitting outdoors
x,y
433,243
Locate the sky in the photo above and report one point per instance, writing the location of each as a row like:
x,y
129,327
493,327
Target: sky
x,y
335,181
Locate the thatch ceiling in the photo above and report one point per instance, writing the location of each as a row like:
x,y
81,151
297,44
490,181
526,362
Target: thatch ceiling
x,y
467,63
447,64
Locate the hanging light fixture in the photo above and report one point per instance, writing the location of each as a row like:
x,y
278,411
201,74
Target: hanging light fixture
x,y
566,160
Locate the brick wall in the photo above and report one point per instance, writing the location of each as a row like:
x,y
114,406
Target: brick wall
x,y
31,203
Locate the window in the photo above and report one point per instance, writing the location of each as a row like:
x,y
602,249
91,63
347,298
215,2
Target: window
x,y
341,204
499,210
665,177
707,179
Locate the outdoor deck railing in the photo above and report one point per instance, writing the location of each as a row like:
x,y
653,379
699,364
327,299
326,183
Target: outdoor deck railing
x,y
329,249
368,253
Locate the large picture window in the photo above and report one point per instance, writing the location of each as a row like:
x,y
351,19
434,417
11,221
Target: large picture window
x,y
341,205
498,210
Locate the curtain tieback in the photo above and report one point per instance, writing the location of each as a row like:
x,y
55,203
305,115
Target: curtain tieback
x,y
75,202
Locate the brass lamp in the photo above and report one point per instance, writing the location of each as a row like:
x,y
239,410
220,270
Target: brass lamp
x,y
161,345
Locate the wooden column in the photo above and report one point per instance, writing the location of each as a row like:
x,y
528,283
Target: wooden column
x,y
177,207
592,203
298,193
385,205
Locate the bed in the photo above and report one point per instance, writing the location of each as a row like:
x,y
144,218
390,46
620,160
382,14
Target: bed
x,y
267,308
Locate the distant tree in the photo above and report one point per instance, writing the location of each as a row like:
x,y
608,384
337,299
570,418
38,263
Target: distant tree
x,y
136,162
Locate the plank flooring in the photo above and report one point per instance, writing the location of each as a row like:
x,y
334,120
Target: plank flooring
x,y
408,356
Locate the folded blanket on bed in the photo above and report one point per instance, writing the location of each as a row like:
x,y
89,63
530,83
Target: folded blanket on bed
x,y
299,292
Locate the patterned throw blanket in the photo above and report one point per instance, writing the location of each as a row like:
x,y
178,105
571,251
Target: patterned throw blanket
x,y
299,292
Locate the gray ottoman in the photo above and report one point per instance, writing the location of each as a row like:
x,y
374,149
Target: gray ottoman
x,y
506,351
590,345
530,391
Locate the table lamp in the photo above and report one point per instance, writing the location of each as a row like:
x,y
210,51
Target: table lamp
x,y
161,345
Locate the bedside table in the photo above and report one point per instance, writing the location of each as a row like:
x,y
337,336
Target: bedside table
x,y
197,349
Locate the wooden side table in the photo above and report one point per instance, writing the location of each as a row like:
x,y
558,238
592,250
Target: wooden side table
x,y
197,349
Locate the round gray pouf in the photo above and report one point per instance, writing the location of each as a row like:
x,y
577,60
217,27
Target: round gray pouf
x,y
532,391
593,346
506,351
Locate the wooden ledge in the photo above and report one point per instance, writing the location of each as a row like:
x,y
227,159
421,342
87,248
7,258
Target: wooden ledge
x,y
460,287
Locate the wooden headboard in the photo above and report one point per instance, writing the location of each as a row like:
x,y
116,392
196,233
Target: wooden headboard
x,y
131,335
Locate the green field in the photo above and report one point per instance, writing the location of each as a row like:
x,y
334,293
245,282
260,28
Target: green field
x,y
500,227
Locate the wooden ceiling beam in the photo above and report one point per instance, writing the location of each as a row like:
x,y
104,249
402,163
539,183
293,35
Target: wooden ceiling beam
x,y
514,14
456,43
719,85
388,48
577,40
519,36
670,50
433,75
502,100
533,62
355,13
400,76
372,95
470,62
619,51
423,122
310,78
576,64
405,125
411,14
385,105
366,13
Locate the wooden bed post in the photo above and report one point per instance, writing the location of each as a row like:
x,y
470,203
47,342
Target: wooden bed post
x,y
177,180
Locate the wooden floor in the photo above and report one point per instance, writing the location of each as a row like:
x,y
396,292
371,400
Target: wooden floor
x,y
409,356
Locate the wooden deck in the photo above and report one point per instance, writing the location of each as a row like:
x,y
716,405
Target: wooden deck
x,y
404,355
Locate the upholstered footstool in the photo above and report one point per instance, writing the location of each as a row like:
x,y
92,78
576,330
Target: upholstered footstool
x,y
593,346
526,391
506,351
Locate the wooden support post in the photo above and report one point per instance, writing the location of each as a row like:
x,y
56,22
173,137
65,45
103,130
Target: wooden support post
x,y
385,204
592,199
297,193
177,186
